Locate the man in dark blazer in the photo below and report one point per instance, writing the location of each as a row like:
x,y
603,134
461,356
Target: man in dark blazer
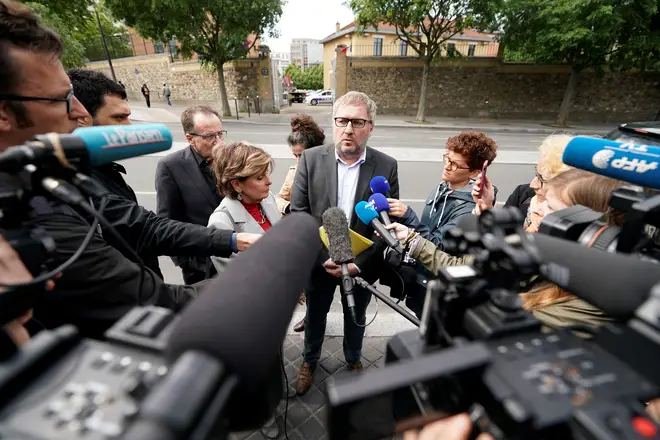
x,y
338,176
185,185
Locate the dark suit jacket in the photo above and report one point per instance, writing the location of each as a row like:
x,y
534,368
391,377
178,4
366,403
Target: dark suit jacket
x,y
184,194
315,190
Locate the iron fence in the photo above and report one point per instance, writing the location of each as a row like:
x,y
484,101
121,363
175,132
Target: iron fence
x,y
401,49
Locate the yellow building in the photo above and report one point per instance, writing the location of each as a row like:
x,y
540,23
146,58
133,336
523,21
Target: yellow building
x,y
384,42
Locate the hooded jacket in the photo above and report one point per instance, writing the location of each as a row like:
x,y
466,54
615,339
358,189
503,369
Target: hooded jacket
x,y
442,209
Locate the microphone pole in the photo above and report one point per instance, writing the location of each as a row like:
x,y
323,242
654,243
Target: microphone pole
x,y
387,300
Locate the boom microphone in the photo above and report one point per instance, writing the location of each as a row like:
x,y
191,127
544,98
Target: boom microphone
x,y
261,286
88,146
382,206
379,185
637,164
369,216
339,248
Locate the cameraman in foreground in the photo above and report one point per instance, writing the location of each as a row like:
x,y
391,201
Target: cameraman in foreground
x,y
36,97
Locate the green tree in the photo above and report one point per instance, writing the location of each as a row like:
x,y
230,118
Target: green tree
x,y
581,33
425,25
117,38
217,31
74,51
309,79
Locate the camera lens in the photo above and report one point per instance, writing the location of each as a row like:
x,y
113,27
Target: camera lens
x,y
600,235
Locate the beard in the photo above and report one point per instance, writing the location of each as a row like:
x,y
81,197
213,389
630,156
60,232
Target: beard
x,y
353,149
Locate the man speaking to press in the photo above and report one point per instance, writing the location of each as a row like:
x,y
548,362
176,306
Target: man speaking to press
x,y
36,97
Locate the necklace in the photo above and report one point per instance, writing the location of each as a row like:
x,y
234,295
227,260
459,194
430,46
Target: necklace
x,y
263,216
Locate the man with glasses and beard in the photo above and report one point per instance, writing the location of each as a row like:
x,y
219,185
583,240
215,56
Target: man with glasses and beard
x,y
36,96
338,175
185,184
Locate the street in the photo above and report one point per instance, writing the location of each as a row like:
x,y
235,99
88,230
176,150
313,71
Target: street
x,y
418,151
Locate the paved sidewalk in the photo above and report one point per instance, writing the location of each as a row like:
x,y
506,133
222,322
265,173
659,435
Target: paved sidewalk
x,y
306,419
162,113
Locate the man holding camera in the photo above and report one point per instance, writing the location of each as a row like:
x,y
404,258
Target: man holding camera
x,y
36,97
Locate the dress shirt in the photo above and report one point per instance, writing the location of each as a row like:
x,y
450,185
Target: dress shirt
x,y
347,180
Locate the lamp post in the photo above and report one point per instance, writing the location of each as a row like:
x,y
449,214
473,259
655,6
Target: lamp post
x,y
105,44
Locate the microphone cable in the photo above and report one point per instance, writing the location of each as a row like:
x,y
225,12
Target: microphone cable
x,y
286,392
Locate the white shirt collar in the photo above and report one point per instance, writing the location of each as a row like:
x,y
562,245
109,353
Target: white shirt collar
x,y
359,161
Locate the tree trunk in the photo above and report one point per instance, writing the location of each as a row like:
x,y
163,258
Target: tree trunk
x,y
569,94
422,96
226,110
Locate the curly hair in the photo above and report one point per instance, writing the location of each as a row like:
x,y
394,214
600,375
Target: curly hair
x,y
475,146
305,131
238,161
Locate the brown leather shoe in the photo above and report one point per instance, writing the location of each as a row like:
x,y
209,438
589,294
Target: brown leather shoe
x,y
356,368
300,326
304,379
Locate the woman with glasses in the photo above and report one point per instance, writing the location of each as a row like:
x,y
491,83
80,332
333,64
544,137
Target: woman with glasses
x,y
450,200
525,197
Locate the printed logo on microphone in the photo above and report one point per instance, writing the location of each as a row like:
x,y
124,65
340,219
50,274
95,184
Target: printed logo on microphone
x,y
126,138
602,159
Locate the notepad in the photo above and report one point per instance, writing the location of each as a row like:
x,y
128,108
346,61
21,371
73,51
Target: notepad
x,y
359,243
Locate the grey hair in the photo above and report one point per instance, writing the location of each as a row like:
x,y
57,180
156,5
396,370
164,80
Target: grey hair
x,y
356,98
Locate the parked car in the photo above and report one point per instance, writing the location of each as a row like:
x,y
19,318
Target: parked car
x,y
647,133
298,96
324,97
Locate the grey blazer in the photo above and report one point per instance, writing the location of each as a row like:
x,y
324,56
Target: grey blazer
x,y
232,215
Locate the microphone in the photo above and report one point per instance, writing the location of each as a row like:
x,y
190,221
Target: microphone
x,y
369,216
341,252
261,287
379,185
617,284
633,163
382,206
88,146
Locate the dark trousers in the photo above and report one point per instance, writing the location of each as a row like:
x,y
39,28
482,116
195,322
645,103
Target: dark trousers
x,y
148,99
319,293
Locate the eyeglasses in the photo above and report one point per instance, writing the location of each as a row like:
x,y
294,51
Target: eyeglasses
x,y
451,165
539,177
211,136
68,99
355,123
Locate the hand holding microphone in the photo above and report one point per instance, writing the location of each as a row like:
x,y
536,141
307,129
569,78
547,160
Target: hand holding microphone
x,y
341,253
369,216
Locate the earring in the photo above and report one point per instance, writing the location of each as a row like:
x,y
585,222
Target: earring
x,y
239,197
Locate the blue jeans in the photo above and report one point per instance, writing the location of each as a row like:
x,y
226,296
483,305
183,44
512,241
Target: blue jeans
x,y
319,294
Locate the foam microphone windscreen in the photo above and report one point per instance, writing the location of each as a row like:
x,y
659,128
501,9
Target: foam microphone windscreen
x,y
380,185
366,212
242,316
339,238
617,284
379,202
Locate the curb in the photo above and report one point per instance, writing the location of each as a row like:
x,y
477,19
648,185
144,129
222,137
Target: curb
x,y
546,131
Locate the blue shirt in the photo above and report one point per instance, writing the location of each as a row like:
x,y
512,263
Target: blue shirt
x,y
347,180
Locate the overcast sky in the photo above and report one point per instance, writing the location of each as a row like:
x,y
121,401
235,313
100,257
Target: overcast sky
x,y
308,19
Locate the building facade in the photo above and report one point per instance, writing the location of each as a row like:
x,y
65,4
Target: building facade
x,y
384,42
281,60
306,52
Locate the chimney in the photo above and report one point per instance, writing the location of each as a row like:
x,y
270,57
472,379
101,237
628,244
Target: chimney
x,y
338,27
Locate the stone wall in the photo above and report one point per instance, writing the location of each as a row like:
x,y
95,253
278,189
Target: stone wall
x,y
191,83
486,88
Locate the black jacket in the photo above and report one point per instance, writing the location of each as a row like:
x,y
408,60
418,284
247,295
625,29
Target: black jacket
x,y
101,285
185,191
520,198
149,234
315,190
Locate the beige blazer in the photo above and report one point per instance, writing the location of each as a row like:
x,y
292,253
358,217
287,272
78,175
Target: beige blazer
x,y
232,215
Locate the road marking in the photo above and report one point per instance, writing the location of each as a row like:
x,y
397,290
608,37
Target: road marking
x,y
282,151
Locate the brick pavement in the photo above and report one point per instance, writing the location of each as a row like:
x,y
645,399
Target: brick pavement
x,y
306,417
